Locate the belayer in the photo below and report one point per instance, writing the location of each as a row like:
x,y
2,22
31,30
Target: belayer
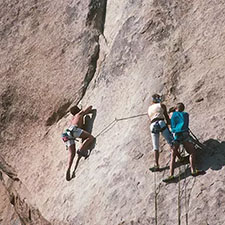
x,y
180,128
157,113
75,131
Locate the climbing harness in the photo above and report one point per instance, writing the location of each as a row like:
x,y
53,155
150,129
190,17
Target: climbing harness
x,y
185,167
156,192
156,129
68,134
66,137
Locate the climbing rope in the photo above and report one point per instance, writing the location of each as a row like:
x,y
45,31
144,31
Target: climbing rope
x,y
185,197
197,142
106,128
110,125
156,195
131,117
185,193
179,199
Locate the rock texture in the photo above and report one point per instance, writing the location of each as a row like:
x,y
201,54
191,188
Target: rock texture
x,y
7,212
113,55
18,208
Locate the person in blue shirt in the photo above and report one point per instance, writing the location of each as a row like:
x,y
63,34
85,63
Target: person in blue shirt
x,y
180,129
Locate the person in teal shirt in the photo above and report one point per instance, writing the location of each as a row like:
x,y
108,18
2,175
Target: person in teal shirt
x,y
180,128
180,124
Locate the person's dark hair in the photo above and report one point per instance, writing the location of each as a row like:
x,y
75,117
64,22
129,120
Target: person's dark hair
x,y
180,107
156,98
172,109
74,110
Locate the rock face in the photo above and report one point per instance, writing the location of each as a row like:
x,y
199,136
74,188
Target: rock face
x,y
113,55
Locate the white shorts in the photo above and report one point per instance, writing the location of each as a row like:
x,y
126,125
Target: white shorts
x,y
76,132
165,133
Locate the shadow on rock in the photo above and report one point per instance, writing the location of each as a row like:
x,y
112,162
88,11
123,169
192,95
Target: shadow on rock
x,y
88,126
211,155
89,121
176,165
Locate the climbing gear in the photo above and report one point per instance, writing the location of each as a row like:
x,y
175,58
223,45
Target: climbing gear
x,y
110,125
196,141
154,169
66,137
68,134
156,129
156,119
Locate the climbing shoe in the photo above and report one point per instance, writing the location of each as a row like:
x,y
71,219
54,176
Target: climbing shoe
x,y
198,172
154,169
168,179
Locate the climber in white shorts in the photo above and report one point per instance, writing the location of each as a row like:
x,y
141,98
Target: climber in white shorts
x,y
157,113
75,131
